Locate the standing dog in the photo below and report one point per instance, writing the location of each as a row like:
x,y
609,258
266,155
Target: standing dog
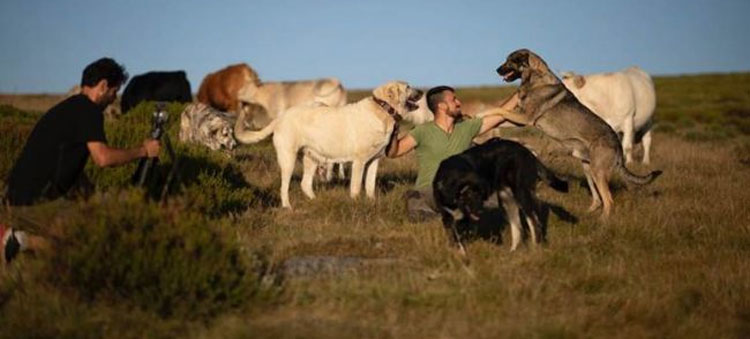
x,y
277,97
465,181
357,132
625,99
548,105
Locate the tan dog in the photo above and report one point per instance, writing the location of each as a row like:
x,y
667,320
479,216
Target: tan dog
x,y
277,97
357,132
548,105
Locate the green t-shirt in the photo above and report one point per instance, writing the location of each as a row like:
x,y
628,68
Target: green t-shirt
x,y
435,145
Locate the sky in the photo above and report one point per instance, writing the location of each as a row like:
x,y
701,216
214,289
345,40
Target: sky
x,y
47,43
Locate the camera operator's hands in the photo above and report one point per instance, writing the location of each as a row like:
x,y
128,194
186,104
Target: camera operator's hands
x,y
152,147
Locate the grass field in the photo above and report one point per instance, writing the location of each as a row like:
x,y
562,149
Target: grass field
x,y
221,260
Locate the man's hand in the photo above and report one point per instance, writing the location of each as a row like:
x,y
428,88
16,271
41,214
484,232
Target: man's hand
x,y
151,148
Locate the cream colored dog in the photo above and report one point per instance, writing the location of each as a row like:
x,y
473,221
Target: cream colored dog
x,y
277,97
625,99
357,132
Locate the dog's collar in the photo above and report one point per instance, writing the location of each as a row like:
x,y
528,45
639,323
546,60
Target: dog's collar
x,y
388,108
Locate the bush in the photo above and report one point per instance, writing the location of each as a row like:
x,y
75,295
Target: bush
x,y
15,127
171,262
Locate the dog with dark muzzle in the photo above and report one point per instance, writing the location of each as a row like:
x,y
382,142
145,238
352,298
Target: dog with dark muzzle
x,y
545,103
464,182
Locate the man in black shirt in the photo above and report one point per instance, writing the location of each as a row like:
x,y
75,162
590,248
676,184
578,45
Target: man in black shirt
x,y
56,152
60,144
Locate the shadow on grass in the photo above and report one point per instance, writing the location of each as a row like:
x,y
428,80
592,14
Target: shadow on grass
x,y
493,222
384,183
220,189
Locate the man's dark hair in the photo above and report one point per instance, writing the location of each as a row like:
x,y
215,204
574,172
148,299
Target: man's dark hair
x,y
435,96
104,68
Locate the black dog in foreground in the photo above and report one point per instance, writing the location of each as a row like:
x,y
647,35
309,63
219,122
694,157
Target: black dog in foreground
x,y
465,181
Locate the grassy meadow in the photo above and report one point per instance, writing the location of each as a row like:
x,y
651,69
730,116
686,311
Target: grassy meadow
x,y
220,259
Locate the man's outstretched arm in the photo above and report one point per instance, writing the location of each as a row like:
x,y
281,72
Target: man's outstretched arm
x,y
495,116
105,156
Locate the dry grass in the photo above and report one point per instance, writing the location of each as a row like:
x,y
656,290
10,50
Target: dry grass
x,y
671,262
31,102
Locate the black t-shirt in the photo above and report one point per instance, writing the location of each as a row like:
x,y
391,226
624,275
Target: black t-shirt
x,y
56,153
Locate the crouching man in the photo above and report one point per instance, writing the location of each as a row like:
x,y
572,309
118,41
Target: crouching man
x,y
56,152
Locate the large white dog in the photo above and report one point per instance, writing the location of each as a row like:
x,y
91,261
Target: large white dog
x,y
624,99
277,97
357,132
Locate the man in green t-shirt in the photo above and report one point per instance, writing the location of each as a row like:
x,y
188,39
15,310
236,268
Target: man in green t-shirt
x,y
439,139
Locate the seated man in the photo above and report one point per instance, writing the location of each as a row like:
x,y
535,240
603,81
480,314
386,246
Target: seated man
x,y
56,152
439,139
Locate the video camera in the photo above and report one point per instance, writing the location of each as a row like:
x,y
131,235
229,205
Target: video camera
x,y
158,120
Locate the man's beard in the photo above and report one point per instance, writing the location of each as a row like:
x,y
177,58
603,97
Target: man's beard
x,y
106,101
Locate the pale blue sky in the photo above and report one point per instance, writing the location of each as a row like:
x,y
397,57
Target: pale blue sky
x,y
46,44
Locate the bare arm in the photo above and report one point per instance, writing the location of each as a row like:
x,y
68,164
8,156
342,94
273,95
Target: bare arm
x,y
105,156
495,116
401,146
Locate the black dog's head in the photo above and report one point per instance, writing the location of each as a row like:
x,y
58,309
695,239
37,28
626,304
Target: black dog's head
x,y
470,200
520,63
462,198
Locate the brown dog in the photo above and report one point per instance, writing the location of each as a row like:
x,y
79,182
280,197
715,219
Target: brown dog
x,y
221,89
548,105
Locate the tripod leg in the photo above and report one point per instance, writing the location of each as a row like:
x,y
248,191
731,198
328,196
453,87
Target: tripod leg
x,y
172,171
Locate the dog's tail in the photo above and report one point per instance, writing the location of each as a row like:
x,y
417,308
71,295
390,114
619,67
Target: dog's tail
x,y
250,137
330,92
637,179
551,178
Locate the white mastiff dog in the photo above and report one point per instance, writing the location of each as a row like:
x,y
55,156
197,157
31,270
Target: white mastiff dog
x,y
358,132
277,97
624,99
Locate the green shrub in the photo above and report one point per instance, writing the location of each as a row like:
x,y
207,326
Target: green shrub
x,y
15,127
172,262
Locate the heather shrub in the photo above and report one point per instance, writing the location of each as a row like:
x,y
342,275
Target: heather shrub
x,y
169,261
15,127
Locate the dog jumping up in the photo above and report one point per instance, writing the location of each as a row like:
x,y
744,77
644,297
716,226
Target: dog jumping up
x,y
548,105
464,182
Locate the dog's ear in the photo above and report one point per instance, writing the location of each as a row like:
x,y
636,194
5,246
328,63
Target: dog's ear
x,y
535,62
251,76
567,75
579,81
385,92
396,92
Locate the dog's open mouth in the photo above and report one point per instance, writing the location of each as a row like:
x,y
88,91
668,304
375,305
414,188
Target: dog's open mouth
x,y
507,73
510,76
472,214
411,102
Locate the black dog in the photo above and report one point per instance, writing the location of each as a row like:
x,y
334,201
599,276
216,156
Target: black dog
x,y
465,181
156,86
